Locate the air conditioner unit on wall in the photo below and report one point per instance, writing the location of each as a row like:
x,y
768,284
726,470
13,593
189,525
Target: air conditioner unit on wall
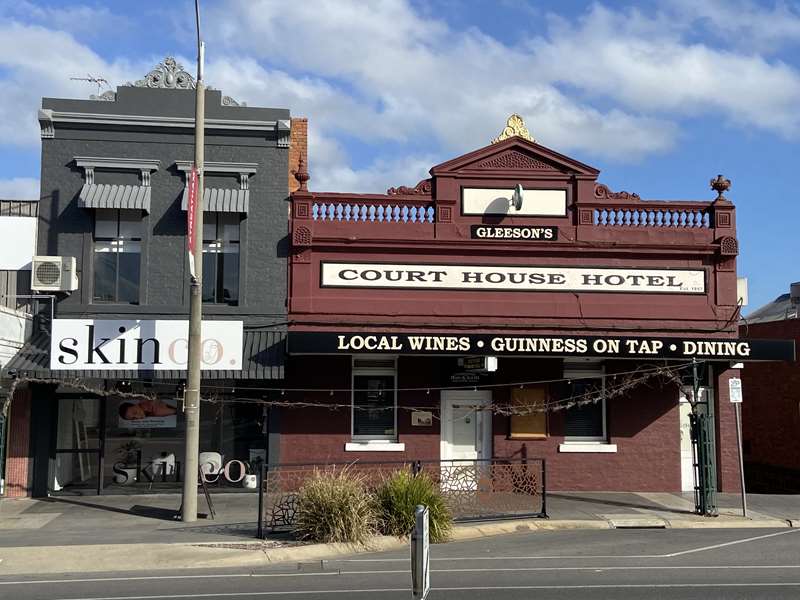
x,y
53,274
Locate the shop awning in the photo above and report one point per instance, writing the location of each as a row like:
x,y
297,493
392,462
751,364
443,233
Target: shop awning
x,y
221,200
263,353
103,195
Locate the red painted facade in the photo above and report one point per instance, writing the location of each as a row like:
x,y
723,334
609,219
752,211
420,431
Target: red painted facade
x,y
600,228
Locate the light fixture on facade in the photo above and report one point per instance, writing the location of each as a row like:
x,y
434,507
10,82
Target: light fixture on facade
x,y
515,201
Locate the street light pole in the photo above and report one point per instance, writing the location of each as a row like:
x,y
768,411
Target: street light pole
x,y
192,393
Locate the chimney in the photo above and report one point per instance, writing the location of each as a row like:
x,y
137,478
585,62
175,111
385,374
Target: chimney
x,y
794,293
298,146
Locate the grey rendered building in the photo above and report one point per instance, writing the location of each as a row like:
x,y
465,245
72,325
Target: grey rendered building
x,y
114,179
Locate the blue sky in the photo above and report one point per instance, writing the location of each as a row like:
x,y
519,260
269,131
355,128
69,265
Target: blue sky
x,y
660,96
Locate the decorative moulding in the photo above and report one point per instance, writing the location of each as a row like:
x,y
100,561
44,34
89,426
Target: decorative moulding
x,y
46,123
515,160
284,128
151,121
603,192
423,188
143,165
106,162
515,126
211,166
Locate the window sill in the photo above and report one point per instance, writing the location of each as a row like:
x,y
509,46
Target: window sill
x,y
587,447
377,446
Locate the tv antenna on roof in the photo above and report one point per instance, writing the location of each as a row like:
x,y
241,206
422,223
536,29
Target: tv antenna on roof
x,y
98,81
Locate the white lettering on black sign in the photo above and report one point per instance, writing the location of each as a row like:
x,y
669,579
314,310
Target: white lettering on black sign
x,y
482,344
513,232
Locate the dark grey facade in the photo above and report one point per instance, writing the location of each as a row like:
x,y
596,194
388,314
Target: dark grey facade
x,y
157,124
133,149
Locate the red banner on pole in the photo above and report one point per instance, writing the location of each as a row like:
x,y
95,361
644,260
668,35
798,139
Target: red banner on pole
x,y
191,215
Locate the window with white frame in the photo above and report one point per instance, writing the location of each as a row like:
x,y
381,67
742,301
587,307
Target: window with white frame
x,y
374,412
586,420
117,251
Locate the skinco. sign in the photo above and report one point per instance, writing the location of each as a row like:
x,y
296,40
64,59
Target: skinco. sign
x,y
545,345
512,278
107,345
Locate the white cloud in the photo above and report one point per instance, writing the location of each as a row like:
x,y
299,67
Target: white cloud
x,y
37,62
19,188
78,19
644,65
743,23
382,72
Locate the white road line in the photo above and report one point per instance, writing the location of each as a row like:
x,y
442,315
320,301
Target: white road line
x,y
453,589
405,590
580,557
715,546
156,577
222,576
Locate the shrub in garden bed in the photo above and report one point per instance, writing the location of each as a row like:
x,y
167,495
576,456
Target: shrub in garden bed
x,y
334,506
398,496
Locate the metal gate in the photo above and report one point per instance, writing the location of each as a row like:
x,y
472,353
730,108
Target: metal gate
x,y
705,491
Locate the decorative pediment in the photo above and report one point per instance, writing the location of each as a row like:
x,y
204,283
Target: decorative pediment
x,y
514,154
514,159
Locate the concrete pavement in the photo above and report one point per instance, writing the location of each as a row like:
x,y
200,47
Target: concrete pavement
x,y
85,534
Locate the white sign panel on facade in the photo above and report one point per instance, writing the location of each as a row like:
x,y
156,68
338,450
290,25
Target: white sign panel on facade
x,y
535,203
735,390
19,242
139,345
512,278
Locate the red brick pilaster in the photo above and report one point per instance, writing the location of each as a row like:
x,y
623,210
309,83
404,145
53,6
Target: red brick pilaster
x,y
727,448
18,456
298,146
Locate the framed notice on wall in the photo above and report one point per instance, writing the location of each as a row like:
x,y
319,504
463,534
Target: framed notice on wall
x,y
529,421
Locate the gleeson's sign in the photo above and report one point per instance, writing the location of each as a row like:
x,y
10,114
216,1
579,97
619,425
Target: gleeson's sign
x,y
508,278
513,232
545,345
108,345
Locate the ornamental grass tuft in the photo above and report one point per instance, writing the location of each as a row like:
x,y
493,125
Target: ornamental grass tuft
x,y
398,496
334,506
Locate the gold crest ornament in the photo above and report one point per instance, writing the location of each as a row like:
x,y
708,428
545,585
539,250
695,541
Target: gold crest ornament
x,y
514,126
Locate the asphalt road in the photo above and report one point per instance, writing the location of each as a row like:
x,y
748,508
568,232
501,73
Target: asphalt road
x,y
619,564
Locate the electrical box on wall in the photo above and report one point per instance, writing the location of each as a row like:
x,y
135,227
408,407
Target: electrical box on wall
x,y
53,274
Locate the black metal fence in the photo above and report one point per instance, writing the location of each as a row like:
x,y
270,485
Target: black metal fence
x,y
482,489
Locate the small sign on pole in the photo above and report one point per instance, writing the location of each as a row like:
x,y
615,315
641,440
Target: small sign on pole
x,y
735,390
420,555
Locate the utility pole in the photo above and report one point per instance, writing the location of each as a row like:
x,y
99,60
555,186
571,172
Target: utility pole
x,y
192,393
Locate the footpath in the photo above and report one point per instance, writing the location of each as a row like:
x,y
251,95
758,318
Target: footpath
x,y
138,533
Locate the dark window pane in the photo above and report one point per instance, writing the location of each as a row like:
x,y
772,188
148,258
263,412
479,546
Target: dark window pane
x,y
209,277
105,223
229,227
210,226
130,224
585,420
105,274
230,276
373,405
128,277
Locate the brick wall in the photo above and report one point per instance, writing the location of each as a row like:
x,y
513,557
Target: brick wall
x,y
17,458
728,477
298,146
644,425
771,406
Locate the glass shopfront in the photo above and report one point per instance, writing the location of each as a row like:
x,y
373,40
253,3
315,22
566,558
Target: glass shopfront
x,y
114,445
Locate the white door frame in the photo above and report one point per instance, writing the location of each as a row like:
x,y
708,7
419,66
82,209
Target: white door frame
x,y
484,420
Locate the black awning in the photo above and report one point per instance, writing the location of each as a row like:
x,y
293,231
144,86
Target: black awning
x,y
263,355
